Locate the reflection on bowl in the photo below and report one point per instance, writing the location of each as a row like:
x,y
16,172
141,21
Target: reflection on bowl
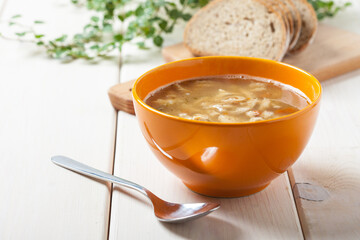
x,y
226,159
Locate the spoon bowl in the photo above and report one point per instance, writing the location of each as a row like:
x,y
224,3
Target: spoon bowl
x,y
174,212
163,210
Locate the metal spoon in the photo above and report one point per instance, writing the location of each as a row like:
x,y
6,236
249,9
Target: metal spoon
x,y
164,211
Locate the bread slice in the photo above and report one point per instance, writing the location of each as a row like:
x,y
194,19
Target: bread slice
x,y
237,28
308,25
289,18
279,7
296,22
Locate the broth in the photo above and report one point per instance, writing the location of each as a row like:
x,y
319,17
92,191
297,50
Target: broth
x,y
228,98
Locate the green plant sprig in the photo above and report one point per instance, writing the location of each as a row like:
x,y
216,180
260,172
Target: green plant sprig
x,y
326,9
143,21
139,22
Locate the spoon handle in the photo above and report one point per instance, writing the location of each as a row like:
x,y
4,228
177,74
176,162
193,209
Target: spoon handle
x,y
76,166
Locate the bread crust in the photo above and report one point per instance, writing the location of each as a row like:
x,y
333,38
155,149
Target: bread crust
x,y
214,3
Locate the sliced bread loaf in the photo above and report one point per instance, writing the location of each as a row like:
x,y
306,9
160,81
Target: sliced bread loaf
x,y
237,28
308,25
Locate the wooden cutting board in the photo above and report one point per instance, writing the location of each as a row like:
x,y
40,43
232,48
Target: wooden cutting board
x,y
334,52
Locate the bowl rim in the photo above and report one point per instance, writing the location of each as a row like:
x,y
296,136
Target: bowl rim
x,y
273,120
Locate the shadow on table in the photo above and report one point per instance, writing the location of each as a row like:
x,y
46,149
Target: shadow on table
x,y
237,218
208,227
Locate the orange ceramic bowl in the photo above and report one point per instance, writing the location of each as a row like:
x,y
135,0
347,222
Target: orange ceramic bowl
x,y
226,159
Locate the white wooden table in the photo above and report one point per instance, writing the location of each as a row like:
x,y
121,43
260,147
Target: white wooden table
x,y
49,108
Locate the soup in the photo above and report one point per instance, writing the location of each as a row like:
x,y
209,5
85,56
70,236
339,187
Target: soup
x,y
229,99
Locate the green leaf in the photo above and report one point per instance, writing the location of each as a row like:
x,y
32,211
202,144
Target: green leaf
x,y
154,19
11,23
87,26
160,3
94,47
129,35
21,34
169,29
149,32
107,27
38,36
59,52
163,25
118,37
52,44
167,10
108,16
186,16
158,40
142,45
174,14
171,4
129,13
108,46
139,11
193,3
95,19
61,39
320,16
16,16
202,3
40,43
78,37
121,17
38,22
109,7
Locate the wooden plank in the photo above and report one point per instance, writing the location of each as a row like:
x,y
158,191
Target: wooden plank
x,y
330,166
333,52
326,180
50,108
270,214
